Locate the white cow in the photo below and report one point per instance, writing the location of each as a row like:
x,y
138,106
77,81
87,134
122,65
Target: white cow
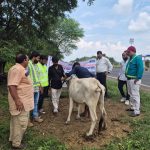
x,y
90,92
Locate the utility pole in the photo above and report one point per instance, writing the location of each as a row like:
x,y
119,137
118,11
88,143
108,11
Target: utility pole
x,y
131,41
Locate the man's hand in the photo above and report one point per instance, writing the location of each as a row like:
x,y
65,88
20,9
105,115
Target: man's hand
x,y
135,81
41,90
106,73
19,105
118,78
63,78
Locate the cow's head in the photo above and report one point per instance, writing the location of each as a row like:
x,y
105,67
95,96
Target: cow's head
x,y
68,80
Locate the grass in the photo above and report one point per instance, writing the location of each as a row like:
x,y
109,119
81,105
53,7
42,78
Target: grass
x,y
34,140
139,139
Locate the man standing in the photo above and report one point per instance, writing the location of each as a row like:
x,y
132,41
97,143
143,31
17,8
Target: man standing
x,y
34,74
122,80
56,75
20,97
134,73
44,81
103,67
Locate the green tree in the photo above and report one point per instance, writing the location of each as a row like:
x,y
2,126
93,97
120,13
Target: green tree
x,y
65,34
27,22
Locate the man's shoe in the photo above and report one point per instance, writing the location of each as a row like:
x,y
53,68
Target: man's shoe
x,y
38,119
134,115
30,124
129,109
22,146
42,111
122,100
127,102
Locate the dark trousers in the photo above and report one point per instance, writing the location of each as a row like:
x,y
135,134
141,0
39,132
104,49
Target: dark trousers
x,y
121,85
101,77
41,98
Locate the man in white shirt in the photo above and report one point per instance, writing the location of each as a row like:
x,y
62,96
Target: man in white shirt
x,y
103,67
122,80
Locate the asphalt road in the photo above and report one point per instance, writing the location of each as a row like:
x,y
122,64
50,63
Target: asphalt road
x,y
145,80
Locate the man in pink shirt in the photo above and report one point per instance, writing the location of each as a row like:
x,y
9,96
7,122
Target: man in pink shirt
x,y
21,101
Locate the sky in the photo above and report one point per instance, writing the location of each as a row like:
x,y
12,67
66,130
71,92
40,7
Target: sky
x,y
109,24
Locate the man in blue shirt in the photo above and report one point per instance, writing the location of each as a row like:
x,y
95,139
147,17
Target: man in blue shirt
x,y
81,72
134,72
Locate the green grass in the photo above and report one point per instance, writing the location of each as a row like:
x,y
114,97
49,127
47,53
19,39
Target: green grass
x,y
34,140
139,139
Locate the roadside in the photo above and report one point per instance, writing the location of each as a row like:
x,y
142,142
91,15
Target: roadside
x,y
124,133
145,79
143,86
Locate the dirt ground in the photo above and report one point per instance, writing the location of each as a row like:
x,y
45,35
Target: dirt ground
x,y
72,135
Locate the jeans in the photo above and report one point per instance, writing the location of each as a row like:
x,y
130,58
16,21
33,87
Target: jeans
x,y
120,87
41,98
101,77
35,110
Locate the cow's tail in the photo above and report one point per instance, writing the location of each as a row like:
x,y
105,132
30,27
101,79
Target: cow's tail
x,y
102,122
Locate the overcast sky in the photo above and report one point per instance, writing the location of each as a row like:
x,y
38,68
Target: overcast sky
x,y
108,26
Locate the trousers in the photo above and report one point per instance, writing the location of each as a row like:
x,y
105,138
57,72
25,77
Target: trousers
x,y
55,97
121,84
133,90
101,77
18,126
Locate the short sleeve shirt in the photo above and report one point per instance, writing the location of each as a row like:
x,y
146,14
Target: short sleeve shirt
x,y
17,77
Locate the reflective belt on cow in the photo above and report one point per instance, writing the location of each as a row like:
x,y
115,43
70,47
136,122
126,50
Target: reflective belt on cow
x,y
33,74
43,75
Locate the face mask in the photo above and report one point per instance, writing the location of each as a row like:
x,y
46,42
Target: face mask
x,y
55,65
35,61
125,59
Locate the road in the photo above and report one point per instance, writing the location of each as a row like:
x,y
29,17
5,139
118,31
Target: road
x,y
145,80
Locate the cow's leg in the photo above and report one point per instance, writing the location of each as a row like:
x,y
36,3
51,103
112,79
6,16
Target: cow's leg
x,y
93,119
79,111
70,110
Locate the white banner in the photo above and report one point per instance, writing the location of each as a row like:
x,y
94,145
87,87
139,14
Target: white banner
x,y
89,64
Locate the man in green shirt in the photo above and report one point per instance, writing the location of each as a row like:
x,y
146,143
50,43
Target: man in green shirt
x,y
134,72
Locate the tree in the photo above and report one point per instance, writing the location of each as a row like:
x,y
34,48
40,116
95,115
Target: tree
x,y
65,35
26,23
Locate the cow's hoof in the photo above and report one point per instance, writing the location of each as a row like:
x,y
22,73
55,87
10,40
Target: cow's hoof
x,y
89,138
67,122
78,118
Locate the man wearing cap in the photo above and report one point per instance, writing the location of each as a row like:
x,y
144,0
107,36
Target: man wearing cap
x,y
134,73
